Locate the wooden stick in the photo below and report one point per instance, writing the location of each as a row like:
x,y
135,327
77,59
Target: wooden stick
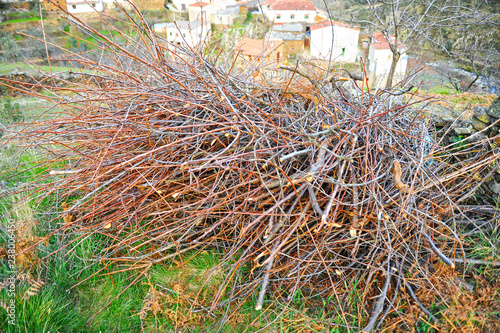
x,y
420,305
441,255
378,306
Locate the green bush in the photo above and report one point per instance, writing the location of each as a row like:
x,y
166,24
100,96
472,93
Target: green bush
x,y
11,111
11,50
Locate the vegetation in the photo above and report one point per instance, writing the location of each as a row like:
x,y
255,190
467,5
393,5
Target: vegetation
x,y
95,263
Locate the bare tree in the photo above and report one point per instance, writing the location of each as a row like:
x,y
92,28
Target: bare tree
x,y
410,23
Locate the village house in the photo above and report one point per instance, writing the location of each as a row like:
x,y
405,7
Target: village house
x,y
293,37
84,6
182,4
202,11
215,12
226,16
52,8
380,59
183,32
289,11
248,6
258,51
334,40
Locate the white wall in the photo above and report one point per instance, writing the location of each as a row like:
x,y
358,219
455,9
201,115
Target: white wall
x,y
179,4
380,62
345,43
184,36
205,12
84,7
225,19
285,15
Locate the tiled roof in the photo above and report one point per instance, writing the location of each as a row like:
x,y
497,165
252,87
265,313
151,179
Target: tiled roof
x,y
199,4
289,27
249,3
381,42
329,23
288,36
289,5
254,47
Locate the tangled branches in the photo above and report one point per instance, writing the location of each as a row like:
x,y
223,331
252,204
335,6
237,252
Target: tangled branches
x,y
310,185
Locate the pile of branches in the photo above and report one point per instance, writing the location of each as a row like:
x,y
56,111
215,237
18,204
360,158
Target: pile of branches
x,y
310,181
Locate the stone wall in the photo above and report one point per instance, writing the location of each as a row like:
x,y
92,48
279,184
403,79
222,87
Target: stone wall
x,y
482,130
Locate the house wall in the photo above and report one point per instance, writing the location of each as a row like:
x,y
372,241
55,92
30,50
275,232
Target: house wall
x,y
226,17
284,16
76,8
291,47
185,36
150,4
270,62
52,8
379,64
202,13
345,43
183,4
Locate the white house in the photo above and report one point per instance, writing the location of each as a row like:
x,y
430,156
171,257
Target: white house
x,y
289,11
380,58
182,4
84,6
183,32
226,16
336,39
202,11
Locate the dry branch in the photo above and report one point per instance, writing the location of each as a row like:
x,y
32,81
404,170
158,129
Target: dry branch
x,y
177,153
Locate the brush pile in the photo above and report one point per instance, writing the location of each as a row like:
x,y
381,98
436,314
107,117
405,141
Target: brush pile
x,y
310,183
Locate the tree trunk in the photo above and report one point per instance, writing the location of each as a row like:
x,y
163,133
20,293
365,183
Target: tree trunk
x,y
390,76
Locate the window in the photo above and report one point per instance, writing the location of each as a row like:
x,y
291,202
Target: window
x,y
306,16
292,16
170,33
278,16
184,35
176,34
389,57
74,6
343,51
93,5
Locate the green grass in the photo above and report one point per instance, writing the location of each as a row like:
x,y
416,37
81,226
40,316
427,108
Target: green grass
x,y
21,20
48,311
444,90
9,67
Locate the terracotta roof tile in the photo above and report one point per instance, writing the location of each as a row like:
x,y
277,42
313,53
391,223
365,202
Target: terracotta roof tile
x,y
199,4
381,42
290,5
